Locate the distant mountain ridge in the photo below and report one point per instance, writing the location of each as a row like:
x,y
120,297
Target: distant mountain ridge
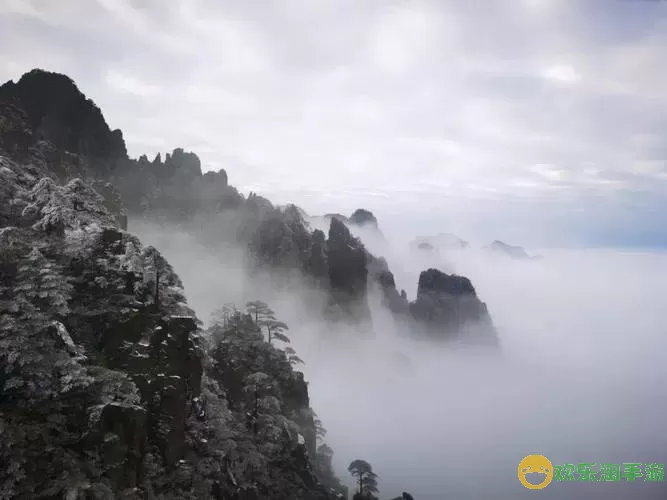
x,y
512,251
176,189
448,242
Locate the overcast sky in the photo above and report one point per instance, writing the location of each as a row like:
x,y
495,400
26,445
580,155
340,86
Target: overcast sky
x,y
540,122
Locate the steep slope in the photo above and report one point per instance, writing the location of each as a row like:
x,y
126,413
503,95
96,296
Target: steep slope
x,y
449,303
108,388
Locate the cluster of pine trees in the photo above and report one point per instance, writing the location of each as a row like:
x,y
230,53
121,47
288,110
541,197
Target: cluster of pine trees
x,y
251,353
261,398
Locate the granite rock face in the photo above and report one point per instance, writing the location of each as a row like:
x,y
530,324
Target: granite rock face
x,y
447,303
348,274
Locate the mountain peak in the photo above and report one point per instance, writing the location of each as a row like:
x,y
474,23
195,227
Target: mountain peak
x,y
362,217
57,111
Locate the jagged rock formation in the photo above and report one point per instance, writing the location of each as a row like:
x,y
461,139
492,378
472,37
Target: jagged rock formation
x,y
317,263
446,304
176,189
348,274
45,114
379,273
360,217
63,116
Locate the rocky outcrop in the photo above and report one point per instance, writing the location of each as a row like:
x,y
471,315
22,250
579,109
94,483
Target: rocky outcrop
x,y
59,113
379,273
446,304
348,274
317,264
44,114
362,217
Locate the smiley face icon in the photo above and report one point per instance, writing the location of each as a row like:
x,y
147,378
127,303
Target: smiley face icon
x,y
535,472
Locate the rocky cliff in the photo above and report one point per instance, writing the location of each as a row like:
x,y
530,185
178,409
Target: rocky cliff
x,y
447,304
109,388
132,404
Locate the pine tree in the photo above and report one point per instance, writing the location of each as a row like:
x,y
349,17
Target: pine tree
x,y
292,357
276,330
41,283
260,312
366,478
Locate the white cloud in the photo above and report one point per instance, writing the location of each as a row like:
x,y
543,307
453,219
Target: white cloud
x,y
563,73
579,378
131,85
465,97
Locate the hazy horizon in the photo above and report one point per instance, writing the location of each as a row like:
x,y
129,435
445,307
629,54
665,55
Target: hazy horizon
x,y
538,122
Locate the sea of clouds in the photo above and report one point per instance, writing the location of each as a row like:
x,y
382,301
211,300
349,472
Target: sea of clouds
x,y
580,377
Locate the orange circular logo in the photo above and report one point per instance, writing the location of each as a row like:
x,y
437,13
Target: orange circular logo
x,y
538,469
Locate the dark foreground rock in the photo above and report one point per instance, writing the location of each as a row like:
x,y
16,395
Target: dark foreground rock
x,y
348,274
447,305
106,388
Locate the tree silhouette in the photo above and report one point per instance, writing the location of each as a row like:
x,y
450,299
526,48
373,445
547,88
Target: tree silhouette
x,y
366,478
260,312
276,329
292,357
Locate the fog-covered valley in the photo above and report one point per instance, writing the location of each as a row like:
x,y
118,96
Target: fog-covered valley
x,y
580,376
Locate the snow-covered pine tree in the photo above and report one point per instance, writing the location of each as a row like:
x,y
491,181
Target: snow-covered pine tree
x,y
42,282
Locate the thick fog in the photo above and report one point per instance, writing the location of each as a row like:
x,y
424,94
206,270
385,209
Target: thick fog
x,y
580,378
